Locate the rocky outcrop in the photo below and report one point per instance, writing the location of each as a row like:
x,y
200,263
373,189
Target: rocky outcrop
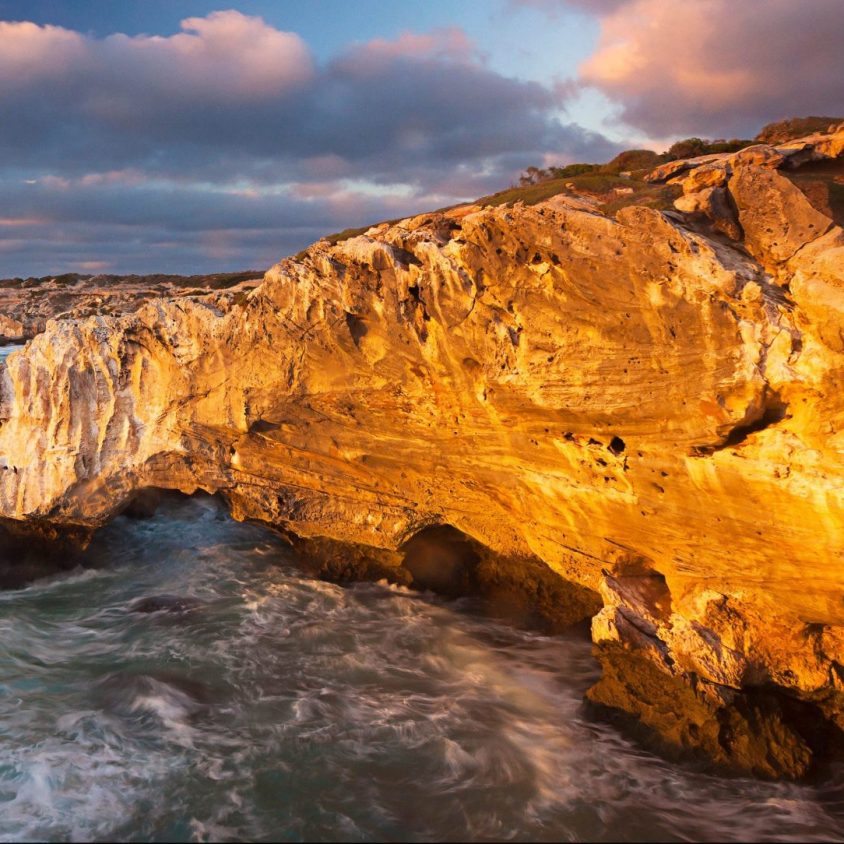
x,y
11,330
27,304
543,404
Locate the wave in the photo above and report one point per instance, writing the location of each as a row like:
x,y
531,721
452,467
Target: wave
x,y
281,705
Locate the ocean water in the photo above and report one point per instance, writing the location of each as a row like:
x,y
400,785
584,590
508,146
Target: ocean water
x,y
5,351
191,684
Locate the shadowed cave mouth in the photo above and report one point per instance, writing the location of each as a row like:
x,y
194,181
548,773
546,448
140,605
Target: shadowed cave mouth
x,y
522,591
441,559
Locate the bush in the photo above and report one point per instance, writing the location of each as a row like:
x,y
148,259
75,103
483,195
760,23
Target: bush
x,y
633,159
533,176
571,170
693,147
795,127
733,145
688,148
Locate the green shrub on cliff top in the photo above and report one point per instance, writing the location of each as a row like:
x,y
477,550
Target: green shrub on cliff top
x,y
795,127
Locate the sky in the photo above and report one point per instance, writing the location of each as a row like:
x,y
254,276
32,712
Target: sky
x,y
195,136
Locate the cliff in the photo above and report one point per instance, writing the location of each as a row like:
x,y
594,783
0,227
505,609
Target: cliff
x,y
27,304
634,418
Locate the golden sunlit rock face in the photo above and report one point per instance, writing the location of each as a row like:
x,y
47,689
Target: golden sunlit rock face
x,y
636,418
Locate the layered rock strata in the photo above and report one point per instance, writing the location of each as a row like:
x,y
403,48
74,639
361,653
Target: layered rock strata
x,y
635,418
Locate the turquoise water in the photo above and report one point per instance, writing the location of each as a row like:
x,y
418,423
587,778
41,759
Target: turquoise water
x,y
266,705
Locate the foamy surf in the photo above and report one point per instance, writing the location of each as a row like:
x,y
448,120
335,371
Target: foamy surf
x,y
280,706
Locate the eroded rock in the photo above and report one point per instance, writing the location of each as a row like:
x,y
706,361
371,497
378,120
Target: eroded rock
x,y
583,399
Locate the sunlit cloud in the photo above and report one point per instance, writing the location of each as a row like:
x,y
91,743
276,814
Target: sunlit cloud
x,y
719,67
17,222
95,266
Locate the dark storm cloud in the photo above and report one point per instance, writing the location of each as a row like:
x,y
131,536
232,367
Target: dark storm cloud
x,y
191,103
57,224
230,125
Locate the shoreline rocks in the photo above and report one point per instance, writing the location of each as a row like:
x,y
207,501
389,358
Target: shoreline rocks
x,y
648,405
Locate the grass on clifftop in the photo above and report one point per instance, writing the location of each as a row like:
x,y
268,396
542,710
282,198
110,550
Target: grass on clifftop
x,y
614,191
594,183
610,191
210,281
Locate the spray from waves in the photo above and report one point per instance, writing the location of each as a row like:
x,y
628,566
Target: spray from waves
x,y
193,685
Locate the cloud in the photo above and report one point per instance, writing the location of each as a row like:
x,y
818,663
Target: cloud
x,y
170,227
450,43
718,67
555,7
33,55
218,58
226,54
231,125
232,97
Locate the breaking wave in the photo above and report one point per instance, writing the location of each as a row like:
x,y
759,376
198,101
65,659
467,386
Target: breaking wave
x,y
193,685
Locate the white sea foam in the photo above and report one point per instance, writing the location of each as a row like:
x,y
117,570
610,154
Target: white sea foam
x,y
283,705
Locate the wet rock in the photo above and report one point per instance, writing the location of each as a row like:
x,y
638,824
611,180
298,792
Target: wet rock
x,y
28,556
173,697
347,562
144,504
165,603
698,674
764,731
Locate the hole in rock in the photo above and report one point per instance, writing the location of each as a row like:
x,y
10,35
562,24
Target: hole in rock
x,y
773,414
405,256
143,503
440,558
263,426
616,445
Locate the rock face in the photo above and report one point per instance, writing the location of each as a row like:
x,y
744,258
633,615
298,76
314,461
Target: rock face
x,y
27,304
11,330
638,419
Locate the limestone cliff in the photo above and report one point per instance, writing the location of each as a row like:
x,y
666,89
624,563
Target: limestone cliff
x,y
27,304
645,408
